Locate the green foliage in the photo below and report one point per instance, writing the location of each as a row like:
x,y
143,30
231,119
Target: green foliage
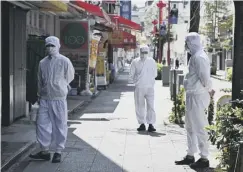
x,y
224,24
229,74
159,71
226,90
226,134
211,111
166,38
180,108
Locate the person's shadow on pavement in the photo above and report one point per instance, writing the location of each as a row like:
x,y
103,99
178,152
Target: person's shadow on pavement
x,y
152,134
204,169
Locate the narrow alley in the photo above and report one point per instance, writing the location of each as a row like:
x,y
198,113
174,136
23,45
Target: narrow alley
x,y
103,137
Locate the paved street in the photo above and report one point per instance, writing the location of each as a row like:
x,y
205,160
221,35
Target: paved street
x,y
103,137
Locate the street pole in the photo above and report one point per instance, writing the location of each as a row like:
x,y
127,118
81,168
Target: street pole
x,y
160,22
160,5
168,35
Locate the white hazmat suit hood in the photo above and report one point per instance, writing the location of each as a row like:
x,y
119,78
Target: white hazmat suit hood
x,y
197,84
193,43
52,40
144,50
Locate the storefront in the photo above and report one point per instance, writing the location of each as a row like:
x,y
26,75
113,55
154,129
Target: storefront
x,y
121,42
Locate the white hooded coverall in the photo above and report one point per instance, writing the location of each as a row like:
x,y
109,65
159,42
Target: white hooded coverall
x,y
197,84
55,73
143,73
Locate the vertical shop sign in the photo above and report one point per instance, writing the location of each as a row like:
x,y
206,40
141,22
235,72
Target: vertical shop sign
x,y
94,51
125,9
100,67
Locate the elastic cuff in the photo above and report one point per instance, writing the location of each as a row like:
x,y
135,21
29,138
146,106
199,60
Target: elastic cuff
x,y
190,155
46,149
204,157
58,151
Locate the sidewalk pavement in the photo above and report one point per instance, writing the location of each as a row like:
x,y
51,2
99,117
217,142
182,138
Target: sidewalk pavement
x,y
103,137
20,137
220,75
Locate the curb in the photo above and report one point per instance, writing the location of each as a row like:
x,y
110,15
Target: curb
x,y
17,155
76,108
219,78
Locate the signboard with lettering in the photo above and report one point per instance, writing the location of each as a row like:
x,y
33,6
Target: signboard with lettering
x,y
116,37
125,9
74,36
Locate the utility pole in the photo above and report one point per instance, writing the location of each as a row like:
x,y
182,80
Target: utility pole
x,y
168,35
160,5
214,56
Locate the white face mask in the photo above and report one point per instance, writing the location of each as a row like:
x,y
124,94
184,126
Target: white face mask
x,y
143,55
51,50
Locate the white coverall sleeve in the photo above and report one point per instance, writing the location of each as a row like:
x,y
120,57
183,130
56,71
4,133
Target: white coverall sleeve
x,y
39,80
132,71
203,72
69,73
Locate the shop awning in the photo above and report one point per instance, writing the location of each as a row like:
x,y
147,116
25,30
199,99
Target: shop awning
x,y
123,22
54,6
92,9
121,39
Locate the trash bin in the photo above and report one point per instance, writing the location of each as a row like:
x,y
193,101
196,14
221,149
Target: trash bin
x,y
173,80
179,82
165,75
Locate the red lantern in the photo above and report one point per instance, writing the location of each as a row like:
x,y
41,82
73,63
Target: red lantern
x,y
161,4
155,22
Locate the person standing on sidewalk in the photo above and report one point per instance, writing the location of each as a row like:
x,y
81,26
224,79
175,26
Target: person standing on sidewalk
x,y
55,73
198,86
143,73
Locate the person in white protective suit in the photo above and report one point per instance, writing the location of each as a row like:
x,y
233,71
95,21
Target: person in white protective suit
x,y
55,73
143,73
198,87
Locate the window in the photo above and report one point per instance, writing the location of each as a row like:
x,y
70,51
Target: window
x,y
35,19
41,21
109,7
30,18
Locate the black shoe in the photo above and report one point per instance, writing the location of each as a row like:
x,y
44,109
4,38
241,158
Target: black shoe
x,y
151,128
186,161
41,156
201,163
141,127
56,158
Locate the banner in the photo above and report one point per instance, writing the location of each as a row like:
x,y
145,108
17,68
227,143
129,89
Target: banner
x,y
94,51
173,18
125,9
100,67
